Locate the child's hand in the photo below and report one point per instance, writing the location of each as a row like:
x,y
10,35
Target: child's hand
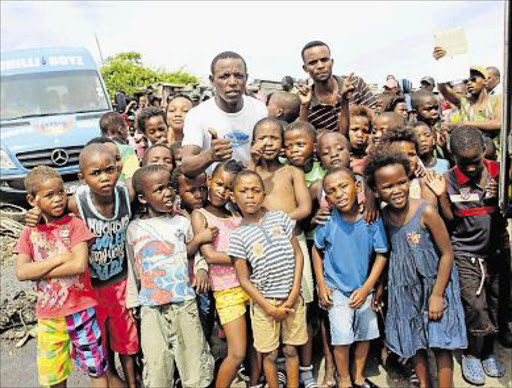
x,y
435,307
370,209
208,235
436,183
321,217
491,190
201,282
325,297
256,152
134,313
357,298
377,304
348,86
420,171
305,94
438,53
280,313
33,217
221,149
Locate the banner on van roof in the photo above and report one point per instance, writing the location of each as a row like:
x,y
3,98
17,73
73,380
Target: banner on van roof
x,y
45,60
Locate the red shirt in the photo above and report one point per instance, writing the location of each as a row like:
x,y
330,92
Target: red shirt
x,y
60,296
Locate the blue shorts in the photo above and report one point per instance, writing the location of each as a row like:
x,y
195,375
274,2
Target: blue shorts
x,y
348,325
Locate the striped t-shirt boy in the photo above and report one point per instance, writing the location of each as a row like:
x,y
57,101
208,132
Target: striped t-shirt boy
x,y
267,248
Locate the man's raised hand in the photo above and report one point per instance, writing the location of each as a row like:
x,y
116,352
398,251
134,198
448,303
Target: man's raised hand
x,y
221,149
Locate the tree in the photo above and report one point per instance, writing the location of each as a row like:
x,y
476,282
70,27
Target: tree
x,y
126,72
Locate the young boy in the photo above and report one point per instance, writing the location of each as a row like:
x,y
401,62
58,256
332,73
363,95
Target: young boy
x,y
193,194
152,122
265,242
284,106
468,202
159,246
346,245
383,122
105,208
54,254
113,126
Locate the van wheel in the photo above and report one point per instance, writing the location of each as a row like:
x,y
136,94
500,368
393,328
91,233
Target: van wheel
x,y
17,213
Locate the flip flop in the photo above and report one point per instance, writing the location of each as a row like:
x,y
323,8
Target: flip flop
x,y
493,367
472,370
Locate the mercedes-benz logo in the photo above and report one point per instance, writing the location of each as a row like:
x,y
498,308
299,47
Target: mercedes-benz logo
x,y
59,157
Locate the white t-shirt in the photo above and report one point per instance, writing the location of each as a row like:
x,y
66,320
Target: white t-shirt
x,y
236,127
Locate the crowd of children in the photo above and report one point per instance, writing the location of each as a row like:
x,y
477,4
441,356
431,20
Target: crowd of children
x,y
382,224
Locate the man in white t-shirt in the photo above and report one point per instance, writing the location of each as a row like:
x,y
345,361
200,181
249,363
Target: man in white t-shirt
x,y
221,128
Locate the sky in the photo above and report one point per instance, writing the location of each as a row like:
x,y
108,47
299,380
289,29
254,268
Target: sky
x,y
371,38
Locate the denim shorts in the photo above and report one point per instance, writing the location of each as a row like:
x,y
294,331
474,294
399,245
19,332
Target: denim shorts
x,y
348,325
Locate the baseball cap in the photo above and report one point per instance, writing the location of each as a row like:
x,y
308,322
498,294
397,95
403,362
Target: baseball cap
x,y
478,69
429,80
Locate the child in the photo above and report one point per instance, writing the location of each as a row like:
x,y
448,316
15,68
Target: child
x,y
285,185
113,126
345,282
359,131
177,153
177,109
426,138
468,201
105,208
425,106
383,122
152,122
159,154
266,244
299,146
284,106
404,140
193,195
159,246
230,298
193,192
424,307
55,255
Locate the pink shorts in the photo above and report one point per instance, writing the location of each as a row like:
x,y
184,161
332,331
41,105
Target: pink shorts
x,y
111,310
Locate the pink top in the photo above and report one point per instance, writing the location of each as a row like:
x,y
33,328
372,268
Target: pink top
x,y
222,276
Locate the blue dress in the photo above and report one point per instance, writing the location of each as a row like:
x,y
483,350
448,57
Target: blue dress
x,y
413,269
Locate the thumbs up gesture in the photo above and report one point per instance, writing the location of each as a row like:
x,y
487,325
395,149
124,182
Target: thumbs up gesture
x,y
221,149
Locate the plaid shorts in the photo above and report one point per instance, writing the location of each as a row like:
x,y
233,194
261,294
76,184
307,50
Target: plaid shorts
x,y
59,340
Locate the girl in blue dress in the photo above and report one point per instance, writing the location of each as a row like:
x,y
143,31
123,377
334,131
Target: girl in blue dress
x,y
424,305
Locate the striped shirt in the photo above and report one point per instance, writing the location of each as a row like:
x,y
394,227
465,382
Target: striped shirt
x,y
325,116
267,248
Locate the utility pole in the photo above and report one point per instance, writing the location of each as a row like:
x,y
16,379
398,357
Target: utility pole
x,y
99,48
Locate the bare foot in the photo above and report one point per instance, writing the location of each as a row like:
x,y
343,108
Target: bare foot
x,y
329,379
345,383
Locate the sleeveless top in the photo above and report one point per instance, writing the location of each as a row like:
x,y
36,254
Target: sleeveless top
x,y
107,254
413,267
222,276
317,173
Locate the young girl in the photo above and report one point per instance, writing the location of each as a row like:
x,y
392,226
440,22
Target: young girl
x,y
177,109
424,305
159,245
230,299
159,154
426,137
404,140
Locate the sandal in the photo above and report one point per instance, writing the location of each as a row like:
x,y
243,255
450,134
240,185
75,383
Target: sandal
x,y
493,367
473,371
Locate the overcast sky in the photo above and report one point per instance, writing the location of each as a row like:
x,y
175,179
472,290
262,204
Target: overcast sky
x,y
371,38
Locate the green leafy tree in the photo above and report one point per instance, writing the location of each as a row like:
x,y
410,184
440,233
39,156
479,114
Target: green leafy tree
x,y
125,71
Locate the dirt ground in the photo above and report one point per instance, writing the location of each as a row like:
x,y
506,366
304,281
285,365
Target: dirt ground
x,y
18,369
